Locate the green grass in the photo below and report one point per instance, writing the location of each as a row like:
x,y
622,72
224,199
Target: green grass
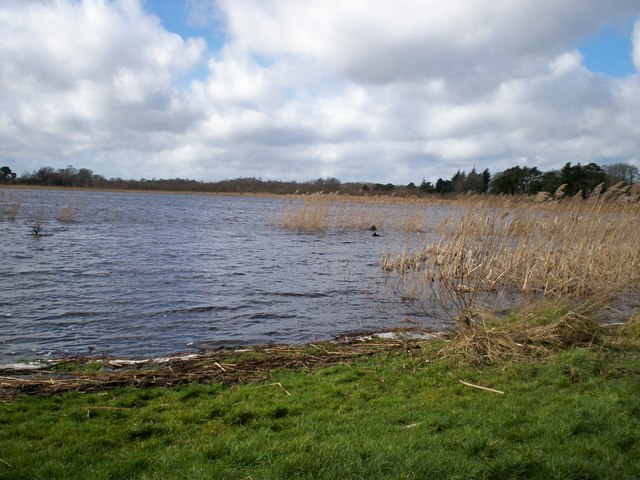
x,y
575,415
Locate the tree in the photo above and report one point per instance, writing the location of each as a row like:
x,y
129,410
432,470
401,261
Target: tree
x,y
473,182
581,179
458,181
6,175
517,181
486,180
444,186
426,187
620,172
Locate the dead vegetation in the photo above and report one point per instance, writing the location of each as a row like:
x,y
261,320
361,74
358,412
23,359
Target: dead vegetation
x,y
532,332
587,252
225,366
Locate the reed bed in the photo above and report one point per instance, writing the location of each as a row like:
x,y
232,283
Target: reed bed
x,y
334,212
590,251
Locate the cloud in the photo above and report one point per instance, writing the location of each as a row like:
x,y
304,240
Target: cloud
x,y
360,90
90,70
636,46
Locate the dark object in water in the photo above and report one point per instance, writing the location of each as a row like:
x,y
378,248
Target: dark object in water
x,y
373,228
375,234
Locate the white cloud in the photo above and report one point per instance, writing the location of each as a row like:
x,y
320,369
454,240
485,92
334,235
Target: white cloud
x,y
636,45
360,90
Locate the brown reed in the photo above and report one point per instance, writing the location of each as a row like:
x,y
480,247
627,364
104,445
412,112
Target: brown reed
x,y
589,251
9,206
534,331
68,212
323,212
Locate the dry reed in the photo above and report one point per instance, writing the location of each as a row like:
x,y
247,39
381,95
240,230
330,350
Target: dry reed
x,y
9,206
588,251
537,331
321,212
326,212
68,212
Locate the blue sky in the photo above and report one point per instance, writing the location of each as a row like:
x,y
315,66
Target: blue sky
x,y
182,17
295,90
609,51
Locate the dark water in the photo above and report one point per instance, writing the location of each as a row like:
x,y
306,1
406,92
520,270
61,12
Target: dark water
x,y
151,274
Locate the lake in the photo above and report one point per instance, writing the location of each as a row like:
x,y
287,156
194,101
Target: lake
x,y
144,274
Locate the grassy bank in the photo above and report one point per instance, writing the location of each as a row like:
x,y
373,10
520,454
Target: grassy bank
x,y
402,413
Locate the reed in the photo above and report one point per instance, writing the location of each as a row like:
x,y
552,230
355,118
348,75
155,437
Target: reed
x,y
9,206
590,251
68,212
537,331
334,213
326,212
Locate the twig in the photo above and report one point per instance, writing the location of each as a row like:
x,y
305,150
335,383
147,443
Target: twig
x,y
318,348
280,385
220,367
6,463
499,392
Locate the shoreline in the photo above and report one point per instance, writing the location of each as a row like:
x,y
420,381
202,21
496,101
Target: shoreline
x,y
228,366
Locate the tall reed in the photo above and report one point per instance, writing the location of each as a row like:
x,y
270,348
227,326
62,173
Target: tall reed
x,y
334,213
9,205
321,212
589,251
68,212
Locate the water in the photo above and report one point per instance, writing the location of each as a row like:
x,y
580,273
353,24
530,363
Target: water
x,y
152,274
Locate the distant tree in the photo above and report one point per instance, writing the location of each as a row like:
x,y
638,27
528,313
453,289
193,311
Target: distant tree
x,y
411,186
365,188
6,175
550,181
383,187
426,187
517,181
443,186
581,178
473,182
620,172
458,181
486,180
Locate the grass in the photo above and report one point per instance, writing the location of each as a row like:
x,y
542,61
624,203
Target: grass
x,y
399,414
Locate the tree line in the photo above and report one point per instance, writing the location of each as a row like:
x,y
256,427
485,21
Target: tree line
x,y
516,180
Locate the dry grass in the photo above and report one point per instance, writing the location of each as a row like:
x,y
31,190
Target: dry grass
x,y
334,212
222,366
589,251
535,331
9,205
631,330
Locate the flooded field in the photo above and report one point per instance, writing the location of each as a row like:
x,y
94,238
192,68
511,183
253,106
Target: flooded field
x,y
151,274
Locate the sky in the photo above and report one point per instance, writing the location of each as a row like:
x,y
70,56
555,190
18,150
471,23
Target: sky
x,y
362,90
